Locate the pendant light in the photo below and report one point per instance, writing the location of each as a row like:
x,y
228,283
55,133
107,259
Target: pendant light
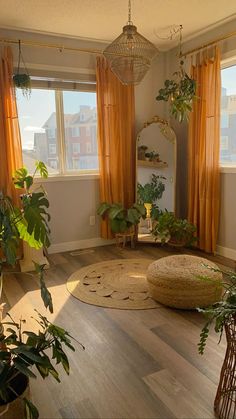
x,y
130,54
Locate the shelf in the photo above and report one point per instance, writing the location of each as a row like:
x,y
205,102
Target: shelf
x,y
158,165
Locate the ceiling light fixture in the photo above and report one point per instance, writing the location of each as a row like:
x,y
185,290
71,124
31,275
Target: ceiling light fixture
x,y
130,54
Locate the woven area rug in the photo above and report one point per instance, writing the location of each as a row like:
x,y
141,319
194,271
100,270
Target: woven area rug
x,y
117,283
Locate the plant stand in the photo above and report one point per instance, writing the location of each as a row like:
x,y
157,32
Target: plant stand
x,y
225,400
123,238
30,255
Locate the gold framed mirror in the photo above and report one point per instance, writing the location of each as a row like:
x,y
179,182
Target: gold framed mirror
x,y
155,172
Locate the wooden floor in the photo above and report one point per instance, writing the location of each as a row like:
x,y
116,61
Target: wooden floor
x,y
137,363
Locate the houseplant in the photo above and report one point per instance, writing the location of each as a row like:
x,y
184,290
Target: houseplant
x,y
121,219
176,231
222,316
21,350
21,79
149,193
180,91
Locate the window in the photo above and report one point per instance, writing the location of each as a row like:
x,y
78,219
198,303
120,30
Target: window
x,y
52,149
228,117
75,132
88,147
49,123
76,148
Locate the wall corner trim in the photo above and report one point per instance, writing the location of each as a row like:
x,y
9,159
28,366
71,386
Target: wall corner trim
x,y
79,244
226,252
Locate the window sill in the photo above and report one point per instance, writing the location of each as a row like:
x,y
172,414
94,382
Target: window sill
x,y
66,178
228,169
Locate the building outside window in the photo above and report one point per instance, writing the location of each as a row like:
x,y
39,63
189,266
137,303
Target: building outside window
x,y
228,116
76,148
41,119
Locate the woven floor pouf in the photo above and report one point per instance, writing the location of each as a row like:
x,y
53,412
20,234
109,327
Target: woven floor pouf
x,y
173,281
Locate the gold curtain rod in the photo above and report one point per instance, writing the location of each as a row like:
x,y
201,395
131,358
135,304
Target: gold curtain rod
x,y
60,47
46,45
215,41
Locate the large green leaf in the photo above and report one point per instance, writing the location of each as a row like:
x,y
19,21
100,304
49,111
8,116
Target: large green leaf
x,y
35,220
102,209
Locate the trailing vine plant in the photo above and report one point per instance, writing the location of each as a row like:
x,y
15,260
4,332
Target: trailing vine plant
x,y
222,311
180,91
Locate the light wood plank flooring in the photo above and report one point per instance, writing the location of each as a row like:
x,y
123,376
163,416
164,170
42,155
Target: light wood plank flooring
x,y
137,363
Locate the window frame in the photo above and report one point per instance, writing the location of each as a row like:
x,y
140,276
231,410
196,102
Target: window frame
x,y
59,87
224,167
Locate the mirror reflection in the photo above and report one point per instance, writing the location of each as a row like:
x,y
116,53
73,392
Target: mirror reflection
x,y
156,172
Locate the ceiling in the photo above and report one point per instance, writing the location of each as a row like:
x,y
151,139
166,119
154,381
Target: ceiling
x,y
103,19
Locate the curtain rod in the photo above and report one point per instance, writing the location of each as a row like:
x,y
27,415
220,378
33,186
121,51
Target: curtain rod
x,y
46,45
60,48
213,42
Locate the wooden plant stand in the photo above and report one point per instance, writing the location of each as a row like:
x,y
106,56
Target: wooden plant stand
x,y
123,238
225,400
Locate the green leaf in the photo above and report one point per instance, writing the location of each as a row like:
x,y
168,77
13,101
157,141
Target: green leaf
x,y
22,367
31,411
42,169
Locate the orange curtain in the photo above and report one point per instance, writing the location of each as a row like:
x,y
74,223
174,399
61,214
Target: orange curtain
x,y
203,152
10,141
116,140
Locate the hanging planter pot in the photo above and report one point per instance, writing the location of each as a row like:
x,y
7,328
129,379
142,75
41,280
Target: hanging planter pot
x,y
180,91
22,78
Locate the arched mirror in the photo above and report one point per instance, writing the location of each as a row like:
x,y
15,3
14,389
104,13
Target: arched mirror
x,y
156,172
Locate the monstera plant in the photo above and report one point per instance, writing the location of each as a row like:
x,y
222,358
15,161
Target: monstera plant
x,y
20,349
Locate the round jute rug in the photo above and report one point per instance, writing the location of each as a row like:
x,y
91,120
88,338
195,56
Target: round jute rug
x,y
119,283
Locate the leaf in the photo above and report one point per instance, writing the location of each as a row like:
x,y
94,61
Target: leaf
x,y
22,367
102,209
42,169
33,227
31,411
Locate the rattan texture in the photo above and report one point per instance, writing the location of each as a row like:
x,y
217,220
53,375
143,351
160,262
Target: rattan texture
x,y
174,281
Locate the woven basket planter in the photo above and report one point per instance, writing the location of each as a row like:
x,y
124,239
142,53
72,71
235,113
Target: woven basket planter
x,y
174,281
15,408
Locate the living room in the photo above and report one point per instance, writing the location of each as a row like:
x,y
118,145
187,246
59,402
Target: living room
x,y
117,208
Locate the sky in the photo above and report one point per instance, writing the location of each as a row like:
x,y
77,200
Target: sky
x,y
34,112
228,79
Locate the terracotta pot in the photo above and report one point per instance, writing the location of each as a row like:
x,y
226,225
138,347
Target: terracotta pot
x,y
15,408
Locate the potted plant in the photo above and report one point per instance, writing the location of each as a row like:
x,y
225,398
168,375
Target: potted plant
x,y
176,231
20,350
121,219
21,78
222,316
141,152
150,192
180,91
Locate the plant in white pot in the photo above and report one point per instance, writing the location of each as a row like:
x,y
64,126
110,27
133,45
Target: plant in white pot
x,y
20,349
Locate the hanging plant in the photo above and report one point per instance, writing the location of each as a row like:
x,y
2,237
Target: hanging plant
x,y
21,79
180,91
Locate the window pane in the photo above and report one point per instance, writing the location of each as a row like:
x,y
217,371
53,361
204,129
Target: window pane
x,y
228,116
80,121
38,126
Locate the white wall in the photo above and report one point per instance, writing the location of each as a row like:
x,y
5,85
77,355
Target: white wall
x,y
72,202
227,227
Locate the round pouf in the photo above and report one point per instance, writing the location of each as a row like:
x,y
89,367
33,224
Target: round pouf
x,y
174,281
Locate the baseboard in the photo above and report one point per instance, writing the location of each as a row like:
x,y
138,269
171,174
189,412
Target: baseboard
x,y
79,244
226,252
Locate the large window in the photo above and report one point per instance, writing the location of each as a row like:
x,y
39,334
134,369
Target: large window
x,y
59,127
228,117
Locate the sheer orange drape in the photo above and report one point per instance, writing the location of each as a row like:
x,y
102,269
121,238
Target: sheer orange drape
x,y
10,141
203,152
116,140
